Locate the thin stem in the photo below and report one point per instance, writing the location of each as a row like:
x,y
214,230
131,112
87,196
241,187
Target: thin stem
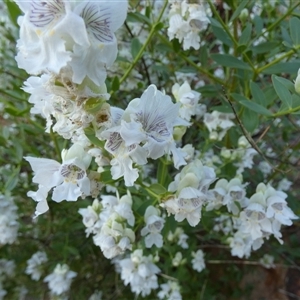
x,y
273,25
247,262
225,27
140,53
190,62
275,61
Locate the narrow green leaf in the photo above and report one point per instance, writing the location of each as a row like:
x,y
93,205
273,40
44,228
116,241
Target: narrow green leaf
x,y
12,180
222,35
264,47
257,94
135,47
239,97
282,91
13,11
256,107
230,61
250,120
238,10
284,67
294,30
115,85
246,35
287,83
138,17
89,132
157,188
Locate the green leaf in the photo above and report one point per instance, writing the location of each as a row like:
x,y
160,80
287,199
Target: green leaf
x,y
135,47
89,132
294,30
115,85
282,91
256,107
13,11
264,47
258,24
257,94
13,179
250,120
246,35
287,83
238,10
284,67
222,35
157,188
227,60
138,17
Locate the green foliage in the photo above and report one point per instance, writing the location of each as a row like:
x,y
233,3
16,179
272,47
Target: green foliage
x,y
259,59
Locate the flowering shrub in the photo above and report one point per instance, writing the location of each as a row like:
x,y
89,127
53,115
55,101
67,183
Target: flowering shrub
x,y
170,126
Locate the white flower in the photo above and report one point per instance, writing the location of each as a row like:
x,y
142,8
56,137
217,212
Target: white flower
x,y
169,291
267,261
34,265
154,225
284,185
8,220
68,179
217,121
140,272
188,100
178,260
186,21
60,280
76,35
150,120
110,224
198,260
278,209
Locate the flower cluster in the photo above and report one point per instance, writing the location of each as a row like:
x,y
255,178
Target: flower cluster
x,y
108,221
262,216
140,272
35,265
186,21
191,187
59,281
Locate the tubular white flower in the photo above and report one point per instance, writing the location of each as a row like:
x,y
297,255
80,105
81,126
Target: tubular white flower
x,y
68,179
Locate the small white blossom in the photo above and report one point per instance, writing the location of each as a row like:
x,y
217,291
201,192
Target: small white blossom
x,y
198,260
140,272
60,280
34,265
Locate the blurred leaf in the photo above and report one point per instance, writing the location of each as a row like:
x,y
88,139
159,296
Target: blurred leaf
x,y
135,47
283,67
157,188
115,85
90,133
13,179
258,23
257,94
295,30
138,17
251,105
250,120
264,47
238,10
13,11
222,35
246,35
230,61
282,91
